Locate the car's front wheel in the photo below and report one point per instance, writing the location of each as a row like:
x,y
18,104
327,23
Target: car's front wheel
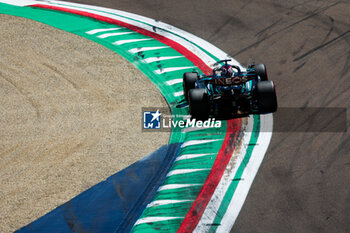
x,y
260,70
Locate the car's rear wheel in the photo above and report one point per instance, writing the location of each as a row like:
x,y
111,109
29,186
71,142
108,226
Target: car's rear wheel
x,y
189,80
199,103
260,69
266,96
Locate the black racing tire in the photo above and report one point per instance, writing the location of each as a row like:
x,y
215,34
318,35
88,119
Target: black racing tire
x,y
266,96
189,80
198,103
260,69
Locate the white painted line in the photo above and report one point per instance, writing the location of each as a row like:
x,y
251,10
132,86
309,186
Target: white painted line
x,y
166,202
154,219
176,186
153,59
184,171
94,31
174,81
141,49
19,2
192,156
114,34
197,142
179,93
171,69
120,42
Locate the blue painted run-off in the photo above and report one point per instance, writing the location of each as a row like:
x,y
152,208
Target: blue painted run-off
x,y
113,205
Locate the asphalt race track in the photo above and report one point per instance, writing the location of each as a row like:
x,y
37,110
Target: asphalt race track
x,y
302,185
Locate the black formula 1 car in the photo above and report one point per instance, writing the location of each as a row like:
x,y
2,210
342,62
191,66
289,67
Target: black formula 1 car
x,y
229,92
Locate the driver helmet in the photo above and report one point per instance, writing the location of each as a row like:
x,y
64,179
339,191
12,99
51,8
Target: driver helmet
x,y
227,71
